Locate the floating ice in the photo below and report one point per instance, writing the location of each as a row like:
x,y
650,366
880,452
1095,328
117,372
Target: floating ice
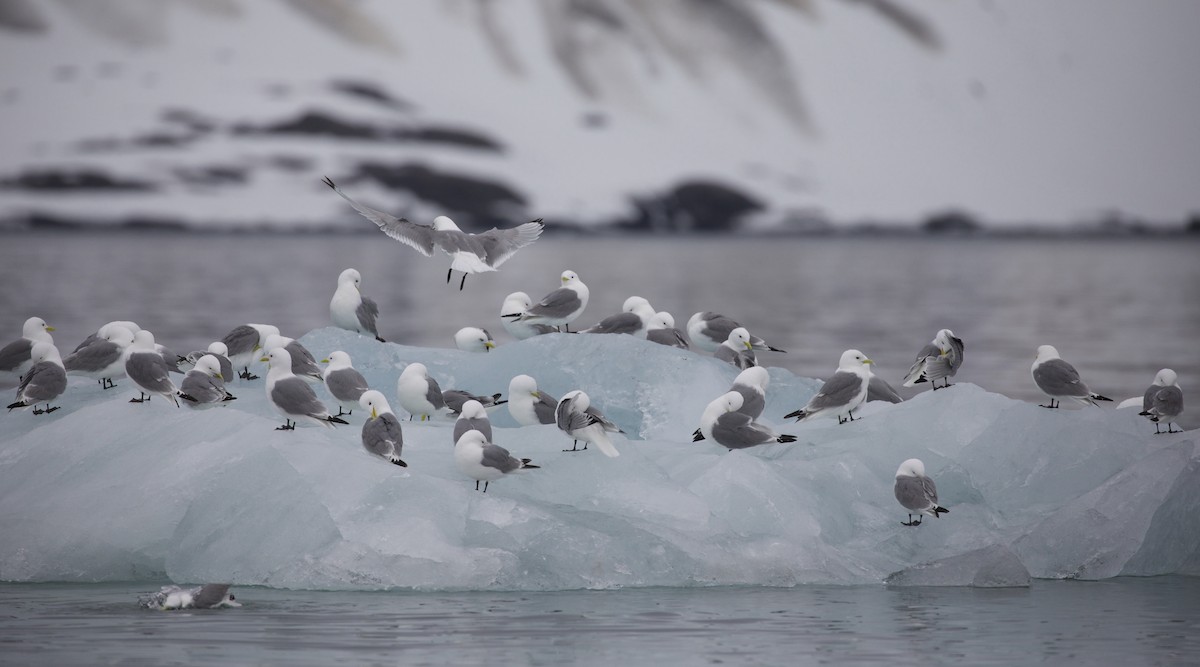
x,y
990,567
103,490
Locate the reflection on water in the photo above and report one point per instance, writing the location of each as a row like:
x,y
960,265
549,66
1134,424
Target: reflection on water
x,y
1119,309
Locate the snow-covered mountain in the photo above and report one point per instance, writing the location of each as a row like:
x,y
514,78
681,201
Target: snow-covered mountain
x,y
649,113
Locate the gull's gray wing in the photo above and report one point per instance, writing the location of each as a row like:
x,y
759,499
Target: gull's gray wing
x,y
543,407
495,456
169,358
346,384
753,400
621,323
1148,398
955,354
226,366
743,359
95,357
149,370
366,313
15,353
45,381
670,337
837,391
603,421
303,361
500,244
916,493
569,419
434,395
203,387
1058,378
1168,401
92,338
454,399
296,397
717,326
210,595
559,303
453,240
483,425
418,237
241,340
738,431
879,390
382,436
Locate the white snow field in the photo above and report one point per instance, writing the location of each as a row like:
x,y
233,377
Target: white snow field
x,y
105,490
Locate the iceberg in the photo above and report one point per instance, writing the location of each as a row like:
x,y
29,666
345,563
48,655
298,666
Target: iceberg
x,y
994,566
105,490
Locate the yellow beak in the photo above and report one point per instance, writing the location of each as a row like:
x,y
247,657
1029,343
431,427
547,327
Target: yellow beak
x,y
748,345
266,359
256,348
868,361
536,394
49,328
489,345
373,413
324,361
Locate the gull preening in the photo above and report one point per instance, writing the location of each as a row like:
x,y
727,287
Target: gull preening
x,y
352,311
132,326
16,357
724,424
842,393
381,433
343,381
559,308
708,330
101,357
1058,379
202,387
469,253
473,339
293,397
44,381
576,417
528,405
1163,400
939,360
916,492
515,305
485,462
218,350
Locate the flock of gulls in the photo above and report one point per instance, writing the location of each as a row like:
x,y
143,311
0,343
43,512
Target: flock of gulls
x,y
122,348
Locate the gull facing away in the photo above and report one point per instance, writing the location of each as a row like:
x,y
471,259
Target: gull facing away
x,y
202,387
916,492
293,397
148,370
208,596
472,417
559,308
939,360
708,330
484,462
350,310
842,393
737,349
381,434
1058,379
473,339
44,381
242,344
528,405
1163,400
722,423
101,357
515,305
752,385
661,330
633,319
577,418
344,382
16,357
469,253
419,393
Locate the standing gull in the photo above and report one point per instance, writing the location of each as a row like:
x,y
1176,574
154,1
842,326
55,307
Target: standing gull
x,y
752,385
292,397
559,308
737,349
633,319
472,417
916,492
148,370
350,310
381,434
419,393
1163,400
344,382
102,357
515,305
202,386
723,423
44,381
304,364
577,418
473,339
1058,379
484,462
16,357
708,330
939,360
469,253
528,405
661,330
842,393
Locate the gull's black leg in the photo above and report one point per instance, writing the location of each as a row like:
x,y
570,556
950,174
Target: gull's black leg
x,y
37,410
574,447
485,485
51,409
460,286
448,274
1156,431
476,485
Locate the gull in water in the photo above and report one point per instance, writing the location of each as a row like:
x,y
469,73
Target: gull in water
x,y
723,423
484,462
469,253
474,339
304,364
1163,400
44,381
352,311
1058,379
661,330
145,365
101,357
737,349
708,330
218,350
243,343
17,356
916,492
202,386
293,397
559,308
633,319
344,382
208,596
842,393
472,417
456,398
132,326
577,418
528,405
381,434
419,393
515,305
751,384
939,360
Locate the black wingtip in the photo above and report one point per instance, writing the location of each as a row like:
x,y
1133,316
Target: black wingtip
x,y
229,397
775,349
1145,413
18,404
539,221
920,380
512,315
529,466
786,438
328,182
187,397
1098,397
937,511
798,414
335,420
380,339
400,463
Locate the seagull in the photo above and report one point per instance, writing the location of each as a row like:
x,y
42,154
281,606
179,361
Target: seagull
x,y
148,369
16,357
218,350
517,304
528,405
472,417
1163,400
752,385
708,330
242,344
879,390
842,393
208,596
916,492
483,462
560,307
132,326
723,423
101,357
202,386
633,319
1058,379
577,418
474,339
661,330
304,364
352,311
344,382
939,360
469,253
737,349
381,434
293,397
44,381
418,393
456,398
